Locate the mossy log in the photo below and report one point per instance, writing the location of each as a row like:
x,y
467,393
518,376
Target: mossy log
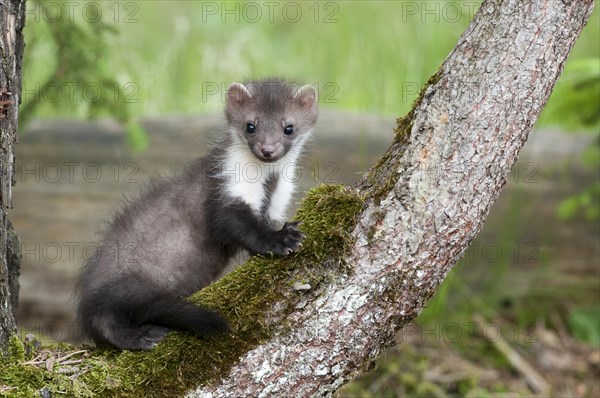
x,y
305,325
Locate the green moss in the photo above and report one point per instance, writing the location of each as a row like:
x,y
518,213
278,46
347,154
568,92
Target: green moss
x,y
16,348
25,379
383,176
246,297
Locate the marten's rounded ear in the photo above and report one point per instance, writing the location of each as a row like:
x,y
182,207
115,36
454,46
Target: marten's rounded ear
x,y
237,93
306,96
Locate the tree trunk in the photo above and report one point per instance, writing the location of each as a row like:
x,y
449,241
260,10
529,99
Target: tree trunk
x,y
425,201
12,20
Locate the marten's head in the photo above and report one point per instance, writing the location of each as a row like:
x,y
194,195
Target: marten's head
x,y
271,116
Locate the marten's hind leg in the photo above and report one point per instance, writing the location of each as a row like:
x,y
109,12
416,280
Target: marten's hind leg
x,y
122,334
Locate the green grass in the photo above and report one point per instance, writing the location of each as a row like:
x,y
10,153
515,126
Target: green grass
x,y
355,55
584,323
364,55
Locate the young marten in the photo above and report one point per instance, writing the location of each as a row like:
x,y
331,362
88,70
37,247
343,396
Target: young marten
x,y
180,234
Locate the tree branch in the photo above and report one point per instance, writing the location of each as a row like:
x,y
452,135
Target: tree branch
x,y
426,199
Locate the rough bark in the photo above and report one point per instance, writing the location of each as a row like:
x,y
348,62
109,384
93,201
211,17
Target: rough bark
x,y
426,200
12,20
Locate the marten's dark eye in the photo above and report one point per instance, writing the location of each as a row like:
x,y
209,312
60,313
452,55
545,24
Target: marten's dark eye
x,y
288,130
250,128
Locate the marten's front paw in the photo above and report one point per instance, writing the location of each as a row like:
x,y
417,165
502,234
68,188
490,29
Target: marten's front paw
x,y
288,239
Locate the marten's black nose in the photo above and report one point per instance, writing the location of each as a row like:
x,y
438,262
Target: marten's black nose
x,y
267,152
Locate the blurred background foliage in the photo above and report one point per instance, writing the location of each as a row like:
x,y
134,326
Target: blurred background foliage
x,y
131,59
173,51
143,59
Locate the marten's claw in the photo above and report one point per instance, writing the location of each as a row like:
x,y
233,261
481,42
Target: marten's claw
x,y
288,239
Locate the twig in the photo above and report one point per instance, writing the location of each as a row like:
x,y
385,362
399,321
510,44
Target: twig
x,y
34,361
72,362
437,376
70,355
50,361
535,381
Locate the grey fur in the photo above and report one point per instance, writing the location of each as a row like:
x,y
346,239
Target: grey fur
x,y
179,235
